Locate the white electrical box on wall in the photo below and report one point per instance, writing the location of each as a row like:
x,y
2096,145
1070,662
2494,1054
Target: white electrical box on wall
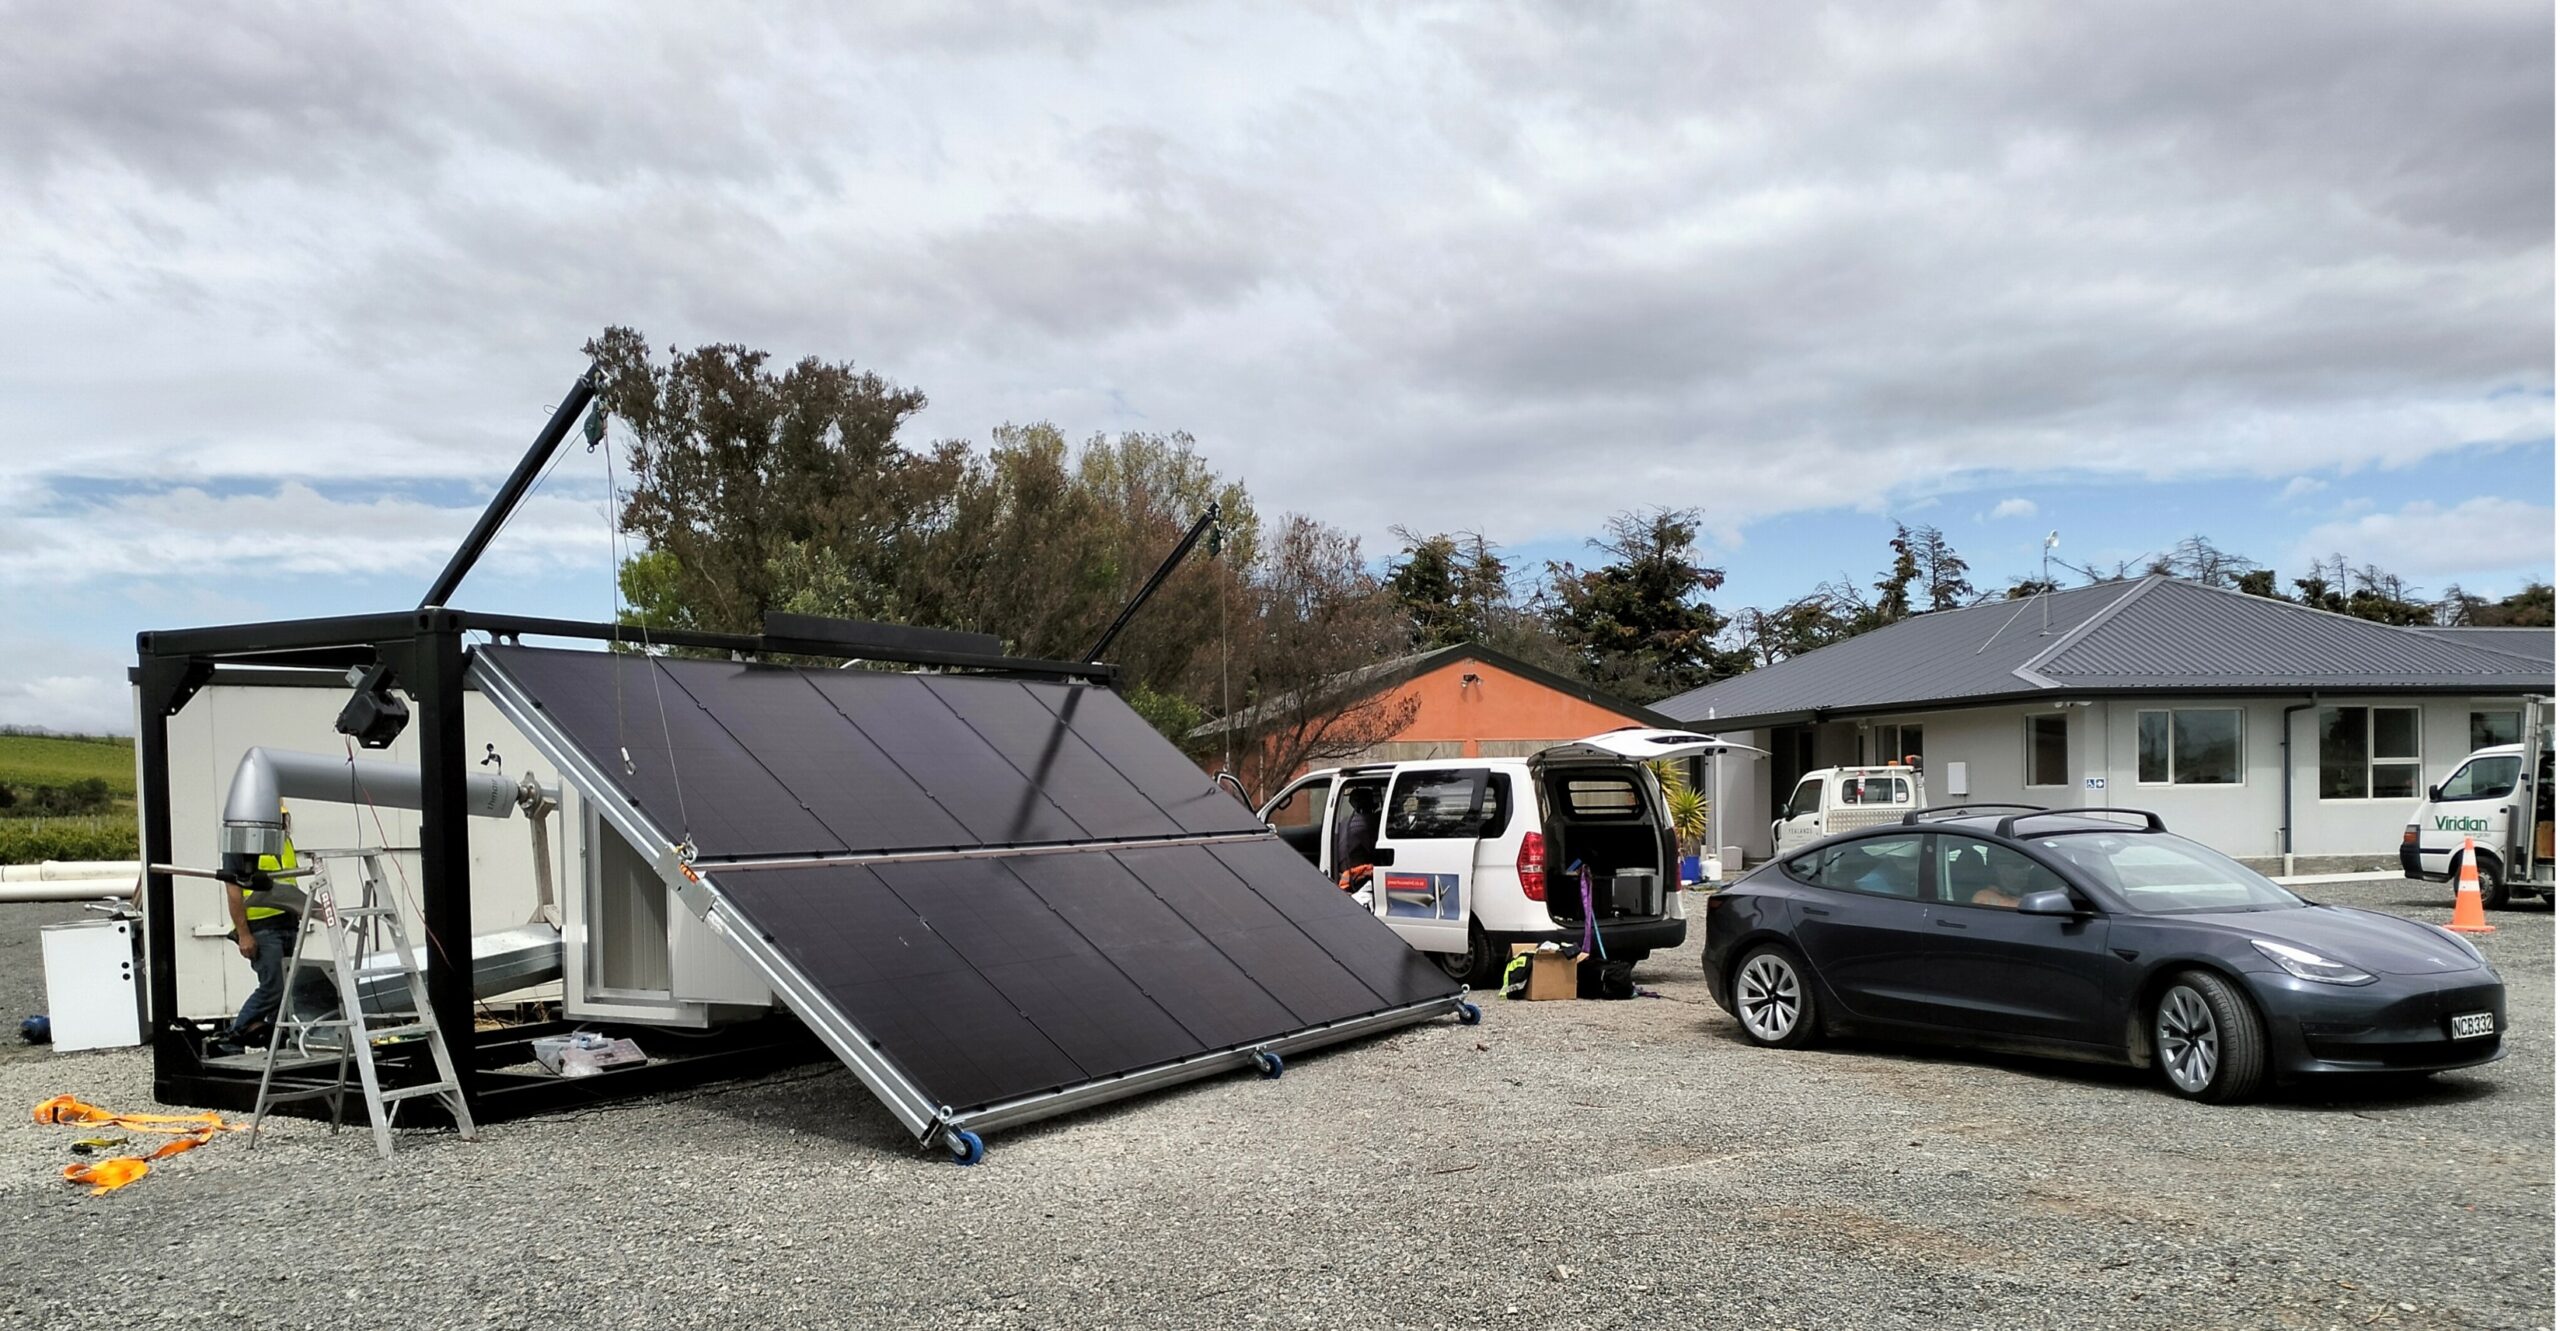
x,y
1955,775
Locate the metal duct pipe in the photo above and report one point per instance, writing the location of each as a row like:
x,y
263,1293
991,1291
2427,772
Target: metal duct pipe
x,y
253,814
55,871
72,889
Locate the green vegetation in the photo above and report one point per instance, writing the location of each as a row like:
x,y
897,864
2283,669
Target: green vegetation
x,y
66,797
29,761
98,836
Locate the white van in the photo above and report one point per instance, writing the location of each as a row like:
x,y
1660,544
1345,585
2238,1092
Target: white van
x,y
1831,800
2487,798
1468,856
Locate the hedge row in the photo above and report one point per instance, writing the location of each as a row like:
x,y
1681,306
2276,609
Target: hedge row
x,y
107,836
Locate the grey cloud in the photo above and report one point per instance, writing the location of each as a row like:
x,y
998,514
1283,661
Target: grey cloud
x,y
1514,267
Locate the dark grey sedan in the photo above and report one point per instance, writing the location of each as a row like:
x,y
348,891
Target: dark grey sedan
x,y
2088,934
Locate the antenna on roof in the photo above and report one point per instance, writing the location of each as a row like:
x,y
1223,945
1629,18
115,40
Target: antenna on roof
x,y
2044,588
2051,539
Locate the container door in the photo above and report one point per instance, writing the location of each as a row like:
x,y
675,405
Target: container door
x,y
1424,885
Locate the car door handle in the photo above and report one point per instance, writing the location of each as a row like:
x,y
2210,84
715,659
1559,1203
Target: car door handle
x,y
1817,910
1950,924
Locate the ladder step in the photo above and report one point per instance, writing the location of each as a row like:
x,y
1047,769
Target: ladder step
x,y
395,1032
413,1092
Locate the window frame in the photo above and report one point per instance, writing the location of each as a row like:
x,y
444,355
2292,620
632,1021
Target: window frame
x,y
2416,761
1469,828
1925,866
2063,721
2239,745
1325,781
1937,883
2440,793
2472,727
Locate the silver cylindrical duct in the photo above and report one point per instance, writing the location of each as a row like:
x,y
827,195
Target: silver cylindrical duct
x,y
253,814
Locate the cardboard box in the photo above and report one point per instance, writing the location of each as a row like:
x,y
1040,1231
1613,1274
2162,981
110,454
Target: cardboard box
x,y
1551,974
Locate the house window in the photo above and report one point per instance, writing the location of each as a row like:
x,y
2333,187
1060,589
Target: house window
x,y
2049,750
2489,728
2188,746
1896,743
2368,753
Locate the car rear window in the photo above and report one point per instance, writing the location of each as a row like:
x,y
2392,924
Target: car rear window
x,y
1879,866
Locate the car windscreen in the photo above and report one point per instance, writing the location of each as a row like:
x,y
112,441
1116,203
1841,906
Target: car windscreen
x,y
2158,874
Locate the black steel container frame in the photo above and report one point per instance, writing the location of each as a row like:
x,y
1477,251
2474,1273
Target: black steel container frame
x,y
427,656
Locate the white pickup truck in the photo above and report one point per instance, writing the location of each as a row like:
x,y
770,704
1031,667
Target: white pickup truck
x,y
1832,800
2499,798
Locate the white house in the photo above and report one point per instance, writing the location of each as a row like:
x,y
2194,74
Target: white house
x,y
2279,734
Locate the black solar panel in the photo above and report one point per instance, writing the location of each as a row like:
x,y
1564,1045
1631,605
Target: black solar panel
x,y
982,980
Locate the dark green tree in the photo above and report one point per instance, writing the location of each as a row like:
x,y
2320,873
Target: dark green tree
x,y
1640,625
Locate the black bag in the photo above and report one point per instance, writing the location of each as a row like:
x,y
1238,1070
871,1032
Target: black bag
x,y
1598,978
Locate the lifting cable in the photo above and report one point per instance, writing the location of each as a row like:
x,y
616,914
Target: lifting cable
x,y
618,549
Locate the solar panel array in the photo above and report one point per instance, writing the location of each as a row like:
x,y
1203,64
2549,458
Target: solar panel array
x,y
982,980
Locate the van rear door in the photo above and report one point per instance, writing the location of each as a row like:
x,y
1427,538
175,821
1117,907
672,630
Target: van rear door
x,y
1424,882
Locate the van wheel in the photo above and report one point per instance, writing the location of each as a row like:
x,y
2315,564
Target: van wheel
x,y
1774,1002
2493,884
1478,967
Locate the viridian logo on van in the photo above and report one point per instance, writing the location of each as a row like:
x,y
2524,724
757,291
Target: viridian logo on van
x,y
2462,824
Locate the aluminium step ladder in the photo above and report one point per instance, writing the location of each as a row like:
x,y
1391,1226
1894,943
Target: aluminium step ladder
x,y
349,930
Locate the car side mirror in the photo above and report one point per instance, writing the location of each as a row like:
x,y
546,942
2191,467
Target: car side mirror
x,y
2435,794
1382,856
2047,903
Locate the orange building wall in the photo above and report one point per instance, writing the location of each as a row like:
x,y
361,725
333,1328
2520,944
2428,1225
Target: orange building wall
x,y
1499,706
1506,712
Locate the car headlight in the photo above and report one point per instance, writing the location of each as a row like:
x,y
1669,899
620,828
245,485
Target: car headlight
x,y
2460,942
2307,965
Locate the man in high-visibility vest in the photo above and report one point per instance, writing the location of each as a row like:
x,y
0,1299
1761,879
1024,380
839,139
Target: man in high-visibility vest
x,y
266,916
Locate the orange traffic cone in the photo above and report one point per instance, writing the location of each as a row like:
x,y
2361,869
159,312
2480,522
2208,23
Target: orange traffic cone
x,y
2468,918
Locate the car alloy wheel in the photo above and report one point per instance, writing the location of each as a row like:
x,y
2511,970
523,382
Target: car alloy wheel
x,y
2209,1042
1769,997
2188,1040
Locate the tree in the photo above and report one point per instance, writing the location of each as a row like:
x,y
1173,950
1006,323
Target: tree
x,y
2528,608
737,471
1893,586
1317,617
1941,570
2259,582
1639,626
2199,560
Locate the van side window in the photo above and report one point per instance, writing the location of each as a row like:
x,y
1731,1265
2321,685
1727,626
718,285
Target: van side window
x,y
1303,805
1880,866
1426,804
1808,798
2484,779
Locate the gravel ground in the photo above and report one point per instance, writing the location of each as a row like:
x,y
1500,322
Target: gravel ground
x,y
1563,1164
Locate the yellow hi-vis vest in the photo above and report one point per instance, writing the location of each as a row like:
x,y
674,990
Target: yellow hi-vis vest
x,y
269,864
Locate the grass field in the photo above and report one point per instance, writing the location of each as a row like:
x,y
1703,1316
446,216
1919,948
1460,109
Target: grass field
x,y
59,760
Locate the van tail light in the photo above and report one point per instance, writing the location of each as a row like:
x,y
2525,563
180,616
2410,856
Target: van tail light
x,y
1533,866
2409,835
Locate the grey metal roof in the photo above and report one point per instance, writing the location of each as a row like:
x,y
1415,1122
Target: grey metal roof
x,y
2155,634
2532,644
2169,631
1971,652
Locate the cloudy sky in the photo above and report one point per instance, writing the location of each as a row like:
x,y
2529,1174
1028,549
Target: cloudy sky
x,y
284,291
